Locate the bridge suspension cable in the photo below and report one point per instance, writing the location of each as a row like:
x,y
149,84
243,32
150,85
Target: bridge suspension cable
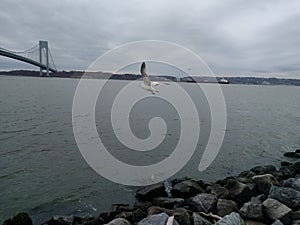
x,y
34,55
53,64
32,49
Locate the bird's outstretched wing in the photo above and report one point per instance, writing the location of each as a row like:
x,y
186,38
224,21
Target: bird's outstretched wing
x,y
154,83
144,74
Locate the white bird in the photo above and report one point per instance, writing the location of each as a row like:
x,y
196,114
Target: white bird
x,y
148,85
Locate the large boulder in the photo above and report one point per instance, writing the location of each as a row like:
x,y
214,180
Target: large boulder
x,y
277,222
286,163
296,166
168,203
218,190
199,220
251,222
248,174
158,219
114,211
133,216
92,221
287,196
274,209
182,216
186,188
258,199
121,208
157,210
295,222
240,192
252,210
19,219
285,172
119,221
295,154
225,207
203,202
265,182
143,205
231,219
295,215
292,183
149,192
267,169
64,220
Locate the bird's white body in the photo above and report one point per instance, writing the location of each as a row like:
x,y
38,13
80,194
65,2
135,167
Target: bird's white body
x,y
147,85
150,87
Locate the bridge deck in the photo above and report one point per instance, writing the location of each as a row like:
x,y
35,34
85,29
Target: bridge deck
x,y
24,59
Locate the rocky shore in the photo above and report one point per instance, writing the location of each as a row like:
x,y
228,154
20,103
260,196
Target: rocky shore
x,y
262,195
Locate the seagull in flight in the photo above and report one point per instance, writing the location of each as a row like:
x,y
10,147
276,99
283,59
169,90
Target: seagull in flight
x,y
148,85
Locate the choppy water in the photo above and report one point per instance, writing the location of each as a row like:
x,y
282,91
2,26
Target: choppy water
x,y
42,171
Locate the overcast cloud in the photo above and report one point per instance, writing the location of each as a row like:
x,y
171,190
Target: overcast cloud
x,y
234,37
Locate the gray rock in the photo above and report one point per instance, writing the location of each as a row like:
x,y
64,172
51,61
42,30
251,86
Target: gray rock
x,y
203,202
157,210
19,219
240,192
265,182
225,207
292,183
121,208
168,203
267,169
199,220
248,174
143,205
92,221
252,210
119,221
63,220
295,215
292,154
114,211
186,188
258,198
277,222
296,166
285,172
218,190
251,222
295,222
182,216
275,209
287,196
158,219
149,192
231,219
134,216
286,163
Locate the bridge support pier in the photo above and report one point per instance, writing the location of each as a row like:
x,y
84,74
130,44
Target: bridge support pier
x,y
44,45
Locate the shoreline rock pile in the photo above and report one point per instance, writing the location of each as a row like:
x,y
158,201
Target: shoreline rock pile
x,y
261,195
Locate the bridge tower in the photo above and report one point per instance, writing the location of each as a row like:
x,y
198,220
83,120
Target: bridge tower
x,y
44,45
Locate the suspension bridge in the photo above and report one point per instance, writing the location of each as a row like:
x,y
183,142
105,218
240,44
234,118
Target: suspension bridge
x,y
39,55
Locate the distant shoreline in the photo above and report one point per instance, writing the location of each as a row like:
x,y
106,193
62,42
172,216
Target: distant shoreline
x,y
188,79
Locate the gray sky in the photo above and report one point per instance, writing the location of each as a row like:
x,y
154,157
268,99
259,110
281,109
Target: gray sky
x,y
234,37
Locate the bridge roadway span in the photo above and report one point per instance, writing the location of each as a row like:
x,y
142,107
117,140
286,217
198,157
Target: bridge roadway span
x,y
23,59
